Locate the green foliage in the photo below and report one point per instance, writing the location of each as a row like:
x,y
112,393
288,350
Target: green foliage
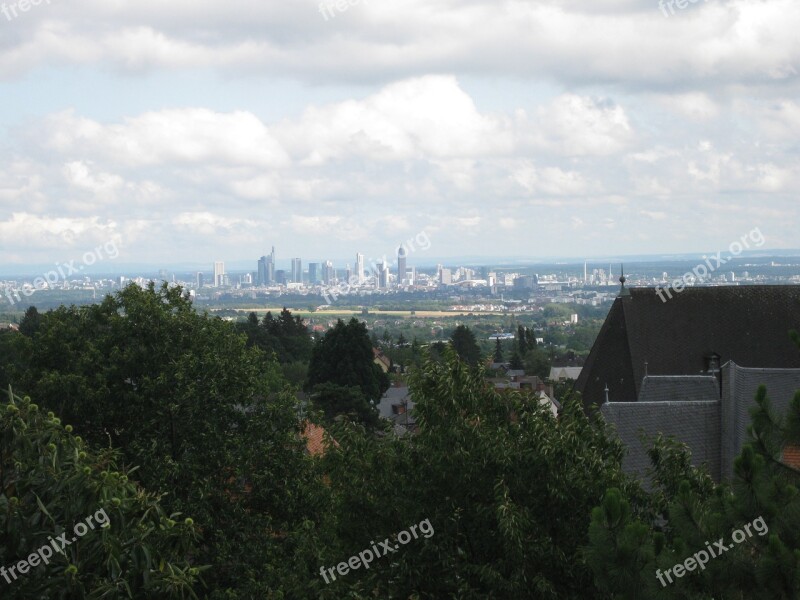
x,y
200,412
51,480
344,357
537,362
287,337
507,487
349,402
498,351
465,345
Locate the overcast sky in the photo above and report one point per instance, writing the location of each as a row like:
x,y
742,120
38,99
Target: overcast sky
x,y
201,130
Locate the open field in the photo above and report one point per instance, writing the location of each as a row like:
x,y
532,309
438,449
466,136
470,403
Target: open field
x,y
373,313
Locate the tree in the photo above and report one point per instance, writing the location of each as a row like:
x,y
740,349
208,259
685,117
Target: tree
x,y
53,483
498,351
200,412
516,361
338,400
537,362
465,345
498,477
522,342
29,324
344,357
286,336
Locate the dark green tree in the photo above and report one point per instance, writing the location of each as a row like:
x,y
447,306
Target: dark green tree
x,y
345,357
516,361
465,345
500,480
348,402
51,483
29,324
202,415
498,351
522,341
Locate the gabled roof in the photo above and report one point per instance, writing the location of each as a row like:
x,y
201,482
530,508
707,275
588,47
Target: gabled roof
x,y
746,324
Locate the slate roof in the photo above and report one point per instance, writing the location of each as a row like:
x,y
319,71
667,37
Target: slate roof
x,y
679,388
739,388
745,324
697,424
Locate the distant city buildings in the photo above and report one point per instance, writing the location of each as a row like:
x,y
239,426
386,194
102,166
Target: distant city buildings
x,y
219,273
401,265
297,270
313,273
360,268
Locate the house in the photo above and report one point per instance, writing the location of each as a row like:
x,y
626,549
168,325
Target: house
x,y
564,373
690,367
522,382
380,359
396,406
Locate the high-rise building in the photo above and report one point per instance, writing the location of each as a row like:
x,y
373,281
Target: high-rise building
x,y
348,275
280,277
360,267
401,265
219,272
297,270
261,279
445,276
313,273
199,280
328,273
383,275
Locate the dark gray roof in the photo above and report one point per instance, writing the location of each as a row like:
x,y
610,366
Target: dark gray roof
x,y
679,388
697,424
740,385
397,396
746,324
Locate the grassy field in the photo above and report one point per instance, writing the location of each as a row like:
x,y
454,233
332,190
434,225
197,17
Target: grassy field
x,y
420,314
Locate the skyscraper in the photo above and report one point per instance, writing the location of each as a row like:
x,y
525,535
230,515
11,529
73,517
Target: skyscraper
x,y
219,271
297,270
401,265
313,273
383,275
328,273
360,267
262,271
199,280
271,267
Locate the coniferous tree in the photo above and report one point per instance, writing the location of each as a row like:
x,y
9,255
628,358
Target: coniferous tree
x,y
522,342
465,345
498,351
345,357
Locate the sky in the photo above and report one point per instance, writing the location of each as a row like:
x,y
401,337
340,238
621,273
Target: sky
x,y
194,131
